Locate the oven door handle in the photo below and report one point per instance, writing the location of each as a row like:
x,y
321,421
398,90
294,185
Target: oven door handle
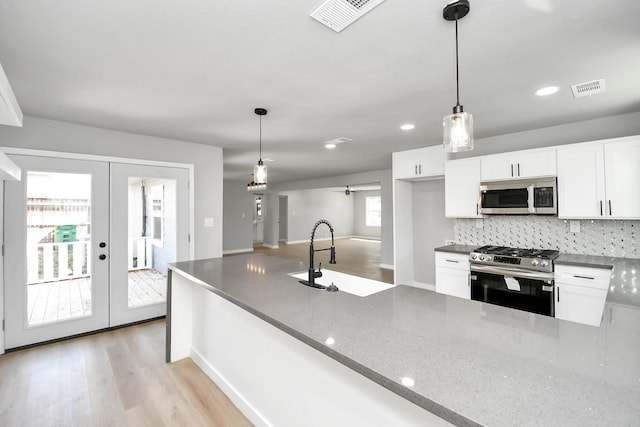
x,y
501,271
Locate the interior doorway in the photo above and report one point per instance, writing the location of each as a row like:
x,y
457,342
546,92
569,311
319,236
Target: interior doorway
x,y
258,218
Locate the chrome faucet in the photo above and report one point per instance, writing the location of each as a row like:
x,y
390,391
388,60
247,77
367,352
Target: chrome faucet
x,y
313,274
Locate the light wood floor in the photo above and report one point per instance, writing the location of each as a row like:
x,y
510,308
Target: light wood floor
x,y
360,257
115,378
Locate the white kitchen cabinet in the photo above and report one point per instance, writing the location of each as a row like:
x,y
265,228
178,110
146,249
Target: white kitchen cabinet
x,y
599,179
452,274
622,178
581,293
461,188
581,181
420,163
519,164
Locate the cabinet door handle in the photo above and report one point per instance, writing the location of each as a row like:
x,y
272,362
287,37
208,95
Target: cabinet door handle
x,y
600,207
583,277
518,169
610,208
469,281
512,169
452,260
477,210
420,169
558,289
415,168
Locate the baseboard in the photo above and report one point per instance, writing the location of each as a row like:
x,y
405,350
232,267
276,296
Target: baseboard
x,y
179,354
270,246
237,251
387,266
247,409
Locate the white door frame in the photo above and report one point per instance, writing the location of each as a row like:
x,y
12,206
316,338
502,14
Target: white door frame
x,y
95,157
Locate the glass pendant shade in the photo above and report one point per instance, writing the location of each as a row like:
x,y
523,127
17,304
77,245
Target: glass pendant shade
x,y
458,132
260,173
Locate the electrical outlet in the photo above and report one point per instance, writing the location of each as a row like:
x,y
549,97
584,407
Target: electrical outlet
x,y
574,226
208,222
479,223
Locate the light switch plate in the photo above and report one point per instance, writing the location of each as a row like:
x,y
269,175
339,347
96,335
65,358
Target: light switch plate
x,y
208,222
479,223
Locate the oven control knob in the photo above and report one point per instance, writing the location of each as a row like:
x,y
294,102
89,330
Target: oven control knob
x,y
474,256
535,262
544,263
481,257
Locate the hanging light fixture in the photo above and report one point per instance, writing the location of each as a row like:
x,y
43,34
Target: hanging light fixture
x,y
259,181
458,127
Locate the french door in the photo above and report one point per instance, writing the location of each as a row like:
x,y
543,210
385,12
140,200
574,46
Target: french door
x,y
87,243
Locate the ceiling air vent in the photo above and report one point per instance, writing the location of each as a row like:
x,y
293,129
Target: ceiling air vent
x,y
589,88
338,14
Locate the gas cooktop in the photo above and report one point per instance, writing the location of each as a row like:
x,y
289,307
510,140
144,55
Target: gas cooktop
x,y
529,259
518,252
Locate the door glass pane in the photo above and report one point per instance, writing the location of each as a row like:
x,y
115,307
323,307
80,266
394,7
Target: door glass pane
x,y
58,246
152,238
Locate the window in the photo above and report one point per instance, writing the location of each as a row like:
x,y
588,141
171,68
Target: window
x,y
373,215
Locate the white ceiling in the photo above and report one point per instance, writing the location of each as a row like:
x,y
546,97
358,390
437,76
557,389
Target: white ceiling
x,y
194,70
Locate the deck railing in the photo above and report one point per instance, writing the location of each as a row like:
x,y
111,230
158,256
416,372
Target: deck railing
x,y
48,262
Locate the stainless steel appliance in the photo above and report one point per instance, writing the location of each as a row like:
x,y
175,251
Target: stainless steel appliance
x,y
520,196
513,277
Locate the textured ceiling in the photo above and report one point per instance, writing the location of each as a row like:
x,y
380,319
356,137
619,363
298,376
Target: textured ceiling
x,y
194,70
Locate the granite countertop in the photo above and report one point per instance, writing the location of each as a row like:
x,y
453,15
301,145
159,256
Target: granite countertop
x,y
457,249
472,363
624,288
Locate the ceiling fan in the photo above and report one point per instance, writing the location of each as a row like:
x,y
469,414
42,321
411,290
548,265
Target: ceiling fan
x,y
347,192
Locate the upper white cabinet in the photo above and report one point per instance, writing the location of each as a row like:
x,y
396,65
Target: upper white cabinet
x,y
599,179
420,163
622,178
461,186
519,164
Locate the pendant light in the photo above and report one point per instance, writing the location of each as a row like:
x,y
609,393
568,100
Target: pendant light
x,y
259,181
458,127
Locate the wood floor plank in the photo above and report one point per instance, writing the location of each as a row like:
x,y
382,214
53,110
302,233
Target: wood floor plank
x,y
116,378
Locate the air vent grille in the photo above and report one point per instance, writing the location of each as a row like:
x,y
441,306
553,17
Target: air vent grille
x,y
588,88
338,14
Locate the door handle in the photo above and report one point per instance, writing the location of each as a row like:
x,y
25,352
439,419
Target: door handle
x,y
102,257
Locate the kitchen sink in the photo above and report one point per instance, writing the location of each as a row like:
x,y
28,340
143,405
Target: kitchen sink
x,y
351,284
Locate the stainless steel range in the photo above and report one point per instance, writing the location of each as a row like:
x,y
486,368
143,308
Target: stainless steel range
x,y
514,277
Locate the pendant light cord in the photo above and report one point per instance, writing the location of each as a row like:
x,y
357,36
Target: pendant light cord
x,y
260,139
457,83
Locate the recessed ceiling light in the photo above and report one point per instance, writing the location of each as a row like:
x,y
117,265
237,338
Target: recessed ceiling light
x,y
549,90
407,126
330,146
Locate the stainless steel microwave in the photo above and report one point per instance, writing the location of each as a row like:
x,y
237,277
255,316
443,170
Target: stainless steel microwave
x,y
537,196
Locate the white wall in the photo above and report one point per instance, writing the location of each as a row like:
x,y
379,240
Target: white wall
x,y
430,228
590,130
50,135
360,214
237,217
308,206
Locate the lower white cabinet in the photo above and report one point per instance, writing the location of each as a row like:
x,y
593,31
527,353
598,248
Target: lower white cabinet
x,y
581,293
452,274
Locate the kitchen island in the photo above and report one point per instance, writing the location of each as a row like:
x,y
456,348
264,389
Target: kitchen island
x,y
286,353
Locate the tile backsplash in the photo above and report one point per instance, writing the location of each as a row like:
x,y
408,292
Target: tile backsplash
x,y
614,238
